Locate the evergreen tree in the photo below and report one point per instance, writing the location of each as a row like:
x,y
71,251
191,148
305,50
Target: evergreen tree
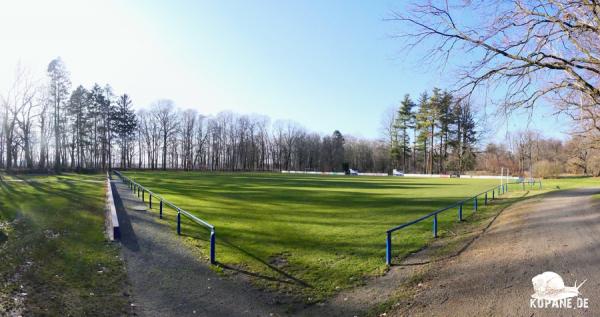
x,y
97,104
433,115
338,141
405,120
469,138
463,138
445,120
422,127
77,111
124,125
59,90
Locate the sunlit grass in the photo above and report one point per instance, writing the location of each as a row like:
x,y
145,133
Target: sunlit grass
x,y
56,248
321,233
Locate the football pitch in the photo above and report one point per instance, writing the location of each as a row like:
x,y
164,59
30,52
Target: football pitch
x,y
318,234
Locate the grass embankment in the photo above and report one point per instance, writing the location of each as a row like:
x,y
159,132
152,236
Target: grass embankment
x,y
55,260
316,234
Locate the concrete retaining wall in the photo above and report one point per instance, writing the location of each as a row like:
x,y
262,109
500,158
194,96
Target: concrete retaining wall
x,y
112,222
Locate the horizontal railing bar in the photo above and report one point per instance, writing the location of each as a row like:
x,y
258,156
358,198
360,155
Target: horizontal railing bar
x,y
430,215
185,213
213,233
404,225
198,220
412,222
501,189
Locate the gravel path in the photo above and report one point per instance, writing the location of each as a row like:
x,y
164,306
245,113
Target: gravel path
x,y
559,232
167,279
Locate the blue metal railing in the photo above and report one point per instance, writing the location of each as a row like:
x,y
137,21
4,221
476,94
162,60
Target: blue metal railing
x,y
501,189
141,190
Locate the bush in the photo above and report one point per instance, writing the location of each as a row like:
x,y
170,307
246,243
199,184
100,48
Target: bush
x,y
547,169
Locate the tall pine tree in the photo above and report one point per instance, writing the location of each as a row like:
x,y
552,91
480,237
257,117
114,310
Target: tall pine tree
x,y
405,120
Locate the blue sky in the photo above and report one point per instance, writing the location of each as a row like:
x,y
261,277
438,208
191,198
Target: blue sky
x,y
325,64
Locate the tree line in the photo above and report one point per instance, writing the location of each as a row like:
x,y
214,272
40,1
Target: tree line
x,y
48,125
529,153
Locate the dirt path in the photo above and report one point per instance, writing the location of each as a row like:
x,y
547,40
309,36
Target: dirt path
x,y
559,232
167,279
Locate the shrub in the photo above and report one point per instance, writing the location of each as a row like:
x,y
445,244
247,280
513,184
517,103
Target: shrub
x,y
547,169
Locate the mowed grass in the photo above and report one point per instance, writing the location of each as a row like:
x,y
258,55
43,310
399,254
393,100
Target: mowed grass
x,y
309,235
54,260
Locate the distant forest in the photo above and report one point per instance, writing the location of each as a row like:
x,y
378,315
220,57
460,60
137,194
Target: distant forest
x,y
50,126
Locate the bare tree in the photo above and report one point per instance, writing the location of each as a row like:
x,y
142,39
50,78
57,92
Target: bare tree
x,y
45,132
164,113
532,49
18,104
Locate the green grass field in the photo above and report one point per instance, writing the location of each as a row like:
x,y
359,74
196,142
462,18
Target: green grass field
x,y
318,234
307,235
54,259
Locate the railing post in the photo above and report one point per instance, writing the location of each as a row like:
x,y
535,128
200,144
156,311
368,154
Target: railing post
x,y
435,226
150,200
143,194
161,206
388,249
178,222
212,246
503,188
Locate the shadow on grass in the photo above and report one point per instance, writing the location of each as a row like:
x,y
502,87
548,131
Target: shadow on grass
x,y
127,234
289,279
71,193
268,265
